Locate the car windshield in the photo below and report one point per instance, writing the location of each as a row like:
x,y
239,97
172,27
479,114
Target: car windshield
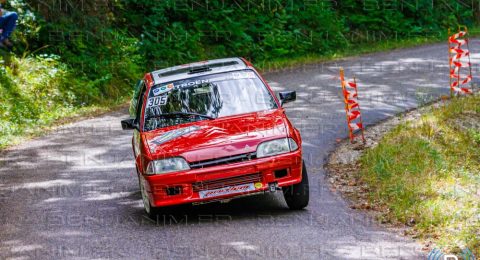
x,y
205,98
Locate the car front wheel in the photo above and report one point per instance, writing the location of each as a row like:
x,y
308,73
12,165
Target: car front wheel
x,y
152,212
298,195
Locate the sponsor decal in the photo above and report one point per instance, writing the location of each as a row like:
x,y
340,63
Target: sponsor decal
x,y
169,87
163,89
192,83
226,191
157,101
258,185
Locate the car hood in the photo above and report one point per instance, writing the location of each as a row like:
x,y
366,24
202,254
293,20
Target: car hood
x,y
210,139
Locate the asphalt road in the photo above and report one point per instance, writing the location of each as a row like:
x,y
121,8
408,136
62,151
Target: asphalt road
x,y
73,193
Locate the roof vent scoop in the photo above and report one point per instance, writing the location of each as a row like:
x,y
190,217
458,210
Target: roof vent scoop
x,y
199,69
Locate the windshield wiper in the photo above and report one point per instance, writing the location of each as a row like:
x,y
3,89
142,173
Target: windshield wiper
x,y
174,114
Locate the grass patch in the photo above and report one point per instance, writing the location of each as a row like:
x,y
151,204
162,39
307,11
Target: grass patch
x,y
427,174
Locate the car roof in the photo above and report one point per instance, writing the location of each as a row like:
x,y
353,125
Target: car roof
x,y
198,69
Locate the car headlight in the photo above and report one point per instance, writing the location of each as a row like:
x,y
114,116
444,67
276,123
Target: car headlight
x,y
275,147
174,164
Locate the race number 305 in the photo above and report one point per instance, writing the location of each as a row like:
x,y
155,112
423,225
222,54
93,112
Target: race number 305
x,y
157,101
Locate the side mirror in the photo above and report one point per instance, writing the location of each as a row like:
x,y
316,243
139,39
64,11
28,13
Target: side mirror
x,y
129,124
287,96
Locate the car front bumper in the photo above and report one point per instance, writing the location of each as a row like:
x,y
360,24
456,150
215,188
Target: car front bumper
x,y
221,182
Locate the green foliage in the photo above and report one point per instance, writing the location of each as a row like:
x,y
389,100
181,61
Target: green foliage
x,y
28,26
29,93
400,19
174,33
91,36
183,31
66,60
107,41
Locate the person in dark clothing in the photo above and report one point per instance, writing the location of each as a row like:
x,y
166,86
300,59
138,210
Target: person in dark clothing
x,y
8,22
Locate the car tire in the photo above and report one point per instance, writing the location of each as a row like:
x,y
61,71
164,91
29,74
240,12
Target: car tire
x,y
297,196
152,212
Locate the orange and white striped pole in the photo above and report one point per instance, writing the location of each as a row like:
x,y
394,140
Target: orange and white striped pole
x,y
457,56
352,107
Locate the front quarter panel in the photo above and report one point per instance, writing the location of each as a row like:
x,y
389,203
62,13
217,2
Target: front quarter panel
x,y
291,130
145,155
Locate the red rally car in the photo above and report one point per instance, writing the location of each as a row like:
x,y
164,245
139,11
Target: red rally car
x,y
213,131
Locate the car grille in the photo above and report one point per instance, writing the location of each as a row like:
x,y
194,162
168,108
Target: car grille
x,y
221,183
223,160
